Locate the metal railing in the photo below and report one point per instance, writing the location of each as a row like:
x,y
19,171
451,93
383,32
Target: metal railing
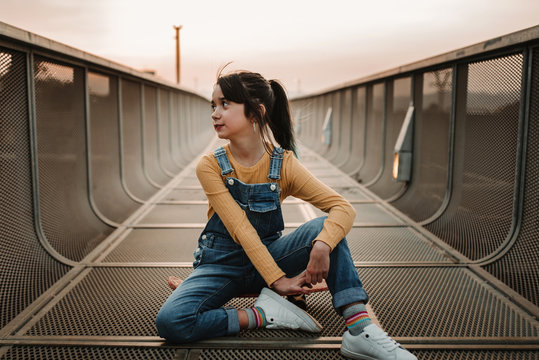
x,y
474,154
83,143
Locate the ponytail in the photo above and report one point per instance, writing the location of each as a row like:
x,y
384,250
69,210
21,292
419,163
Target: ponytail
x,y
280,121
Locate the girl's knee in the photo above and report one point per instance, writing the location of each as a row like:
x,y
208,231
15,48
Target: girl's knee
x,y
342,251
316,225
175,326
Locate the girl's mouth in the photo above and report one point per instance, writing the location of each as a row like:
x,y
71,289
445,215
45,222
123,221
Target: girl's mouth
x,y
217,127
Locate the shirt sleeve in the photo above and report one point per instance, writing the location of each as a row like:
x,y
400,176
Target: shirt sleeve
x,y
235,219
305,186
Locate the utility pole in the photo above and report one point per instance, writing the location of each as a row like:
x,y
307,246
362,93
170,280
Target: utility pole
x,y
177,28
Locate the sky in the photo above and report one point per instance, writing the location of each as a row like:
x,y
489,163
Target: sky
x,y
309,45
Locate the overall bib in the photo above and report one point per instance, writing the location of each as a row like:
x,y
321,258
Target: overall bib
x,y
223,271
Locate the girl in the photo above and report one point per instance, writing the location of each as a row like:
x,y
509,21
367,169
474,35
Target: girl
x,y
241,249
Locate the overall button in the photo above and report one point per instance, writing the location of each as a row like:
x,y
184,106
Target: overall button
x,y
273,187
230,182
204,237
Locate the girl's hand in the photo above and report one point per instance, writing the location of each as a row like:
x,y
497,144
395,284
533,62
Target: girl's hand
x,y
318,266
290,286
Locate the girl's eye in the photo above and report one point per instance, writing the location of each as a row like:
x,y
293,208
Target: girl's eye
x,y
213,107
225,103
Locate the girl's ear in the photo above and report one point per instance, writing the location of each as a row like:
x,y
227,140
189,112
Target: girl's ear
x,y
263,110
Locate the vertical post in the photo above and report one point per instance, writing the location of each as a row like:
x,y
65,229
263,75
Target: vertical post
x,y
177,28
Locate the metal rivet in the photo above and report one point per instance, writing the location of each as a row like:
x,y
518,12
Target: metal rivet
x,y
204,237
273,187
230,182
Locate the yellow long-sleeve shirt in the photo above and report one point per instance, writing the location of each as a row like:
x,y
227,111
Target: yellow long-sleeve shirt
x,y
295,181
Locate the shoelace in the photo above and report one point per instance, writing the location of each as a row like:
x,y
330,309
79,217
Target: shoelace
x,y
386,342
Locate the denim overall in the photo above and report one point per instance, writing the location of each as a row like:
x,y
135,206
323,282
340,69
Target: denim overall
x,y
223,271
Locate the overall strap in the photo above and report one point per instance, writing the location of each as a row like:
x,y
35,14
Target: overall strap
x,y
276,161
222,160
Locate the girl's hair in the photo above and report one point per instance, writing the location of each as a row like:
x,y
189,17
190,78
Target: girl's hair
x,y
252,90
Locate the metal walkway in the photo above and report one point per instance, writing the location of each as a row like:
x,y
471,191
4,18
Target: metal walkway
x,y
99,203
105,306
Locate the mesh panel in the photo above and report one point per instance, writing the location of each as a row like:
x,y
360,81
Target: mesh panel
x,y
174,214
183,123
292,213
368,214
111,302
252,354
345,124
326,354
390,245
156,245
26,270
447,302
426,191
385,187
358,131
307,119
165,133
475,355
88,353
108,193
174,129
134,177
185,194
67,219
374,214
189,181
520,267
335,102
151,143
374,133
176,118
326,104
351,193
479,215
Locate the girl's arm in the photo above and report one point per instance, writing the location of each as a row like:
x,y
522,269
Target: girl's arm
x,y
235,219
302,184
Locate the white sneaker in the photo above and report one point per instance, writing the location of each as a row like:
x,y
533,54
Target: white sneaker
x,y
282,314
373,344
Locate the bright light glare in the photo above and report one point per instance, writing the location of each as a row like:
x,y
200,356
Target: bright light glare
x,y
396,166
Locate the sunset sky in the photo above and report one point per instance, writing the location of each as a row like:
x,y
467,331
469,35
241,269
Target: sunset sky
x,y
309,45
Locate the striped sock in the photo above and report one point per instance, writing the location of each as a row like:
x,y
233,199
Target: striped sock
x,y
257,318
356,318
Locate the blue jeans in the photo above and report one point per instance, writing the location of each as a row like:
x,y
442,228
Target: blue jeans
x,y
223,271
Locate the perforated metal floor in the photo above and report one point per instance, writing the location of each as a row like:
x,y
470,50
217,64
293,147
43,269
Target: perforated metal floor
x,y
423,293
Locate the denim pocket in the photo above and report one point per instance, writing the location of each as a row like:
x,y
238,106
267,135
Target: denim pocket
x,y
242,205
262,204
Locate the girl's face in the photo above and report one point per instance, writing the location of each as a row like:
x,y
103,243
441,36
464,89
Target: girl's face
x,y
228,117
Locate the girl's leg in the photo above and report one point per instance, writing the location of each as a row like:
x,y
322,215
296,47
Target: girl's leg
x,y
194,310
292,252
363,340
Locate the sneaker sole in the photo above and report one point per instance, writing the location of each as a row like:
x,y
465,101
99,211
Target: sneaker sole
x,y
352,355
296,310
